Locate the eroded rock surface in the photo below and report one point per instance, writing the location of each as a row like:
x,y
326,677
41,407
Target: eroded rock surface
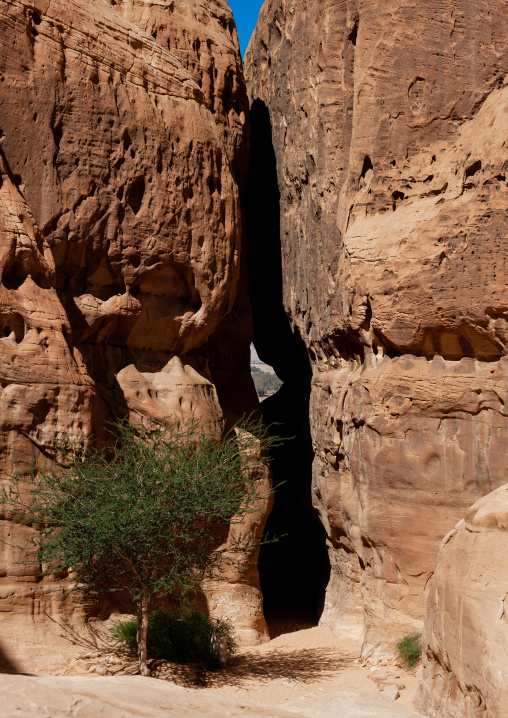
x,y
131,696
118,697
465,644
383,126
123,136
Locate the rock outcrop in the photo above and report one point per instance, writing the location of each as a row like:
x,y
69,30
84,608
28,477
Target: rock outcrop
x,y
119,697
124,143
465,644
131,696
383,125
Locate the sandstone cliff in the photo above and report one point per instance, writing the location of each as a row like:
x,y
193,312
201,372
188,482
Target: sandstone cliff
x,y
383,127
123,130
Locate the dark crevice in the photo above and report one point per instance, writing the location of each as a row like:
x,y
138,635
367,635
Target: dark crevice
x,y
136,194
353,35
12,324
367,165
473,169
127,142
397,197
14,276
58,134
436,192
295,570
470,172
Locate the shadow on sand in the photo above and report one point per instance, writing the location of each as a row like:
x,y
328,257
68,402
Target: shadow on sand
x,y
305,665
298,666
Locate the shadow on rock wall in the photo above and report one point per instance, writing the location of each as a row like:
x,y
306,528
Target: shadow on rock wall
x,y
294,570
7,664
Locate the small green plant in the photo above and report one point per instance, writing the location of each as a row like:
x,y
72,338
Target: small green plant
x,y
410,649
181,638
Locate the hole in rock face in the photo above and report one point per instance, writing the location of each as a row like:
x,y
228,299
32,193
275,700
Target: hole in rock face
x,y
36,20
353,35
13,279
10,323
58,133
136,194
473,169
295,570
397,197
367,166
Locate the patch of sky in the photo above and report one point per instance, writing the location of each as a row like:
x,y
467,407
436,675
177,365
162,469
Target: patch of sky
x,y
246,14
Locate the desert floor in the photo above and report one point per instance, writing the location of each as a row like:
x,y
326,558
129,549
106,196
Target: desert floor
x,y
299,660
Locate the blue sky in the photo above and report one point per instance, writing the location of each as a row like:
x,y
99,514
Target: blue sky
x,y
246,14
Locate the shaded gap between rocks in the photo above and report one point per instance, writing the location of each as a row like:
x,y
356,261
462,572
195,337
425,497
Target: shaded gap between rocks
x,y
7,663
294,571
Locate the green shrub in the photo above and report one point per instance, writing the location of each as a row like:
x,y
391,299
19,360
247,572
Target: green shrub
x,y
265,383
410,649
180,638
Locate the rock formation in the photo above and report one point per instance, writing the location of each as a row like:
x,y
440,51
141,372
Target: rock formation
x,y
465,673
382,131
124,143
132,696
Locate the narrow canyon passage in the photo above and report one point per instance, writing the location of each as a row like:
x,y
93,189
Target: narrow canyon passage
x,y
294,569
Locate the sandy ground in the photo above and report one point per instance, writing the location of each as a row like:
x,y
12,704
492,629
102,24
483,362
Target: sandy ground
x,y
305,661
298,662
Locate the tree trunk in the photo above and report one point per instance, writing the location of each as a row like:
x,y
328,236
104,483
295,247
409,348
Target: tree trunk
x,y
142,633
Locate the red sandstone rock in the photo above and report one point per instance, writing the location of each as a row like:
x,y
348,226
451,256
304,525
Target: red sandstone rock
x,y
124,141
388,124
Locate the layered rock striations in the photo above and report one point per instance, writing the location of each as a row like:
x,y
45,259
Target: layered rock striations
x,y
386,124
465,641
123,130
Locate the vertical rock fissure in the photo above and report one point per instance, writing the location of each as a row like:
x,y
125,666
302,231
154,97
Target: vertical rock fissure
x,y
294,570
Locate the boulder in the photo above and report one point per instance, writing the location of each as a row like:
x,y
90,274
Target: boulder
x,y
465,643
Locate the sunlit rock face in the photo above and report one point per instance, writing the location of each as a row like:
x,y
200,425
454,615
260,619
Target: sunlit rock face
x,y
465,641
123,130
387,126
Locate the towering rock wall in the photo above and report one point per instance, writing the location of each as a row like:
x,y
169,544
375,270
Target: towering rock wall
x,y
123,130
387,126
